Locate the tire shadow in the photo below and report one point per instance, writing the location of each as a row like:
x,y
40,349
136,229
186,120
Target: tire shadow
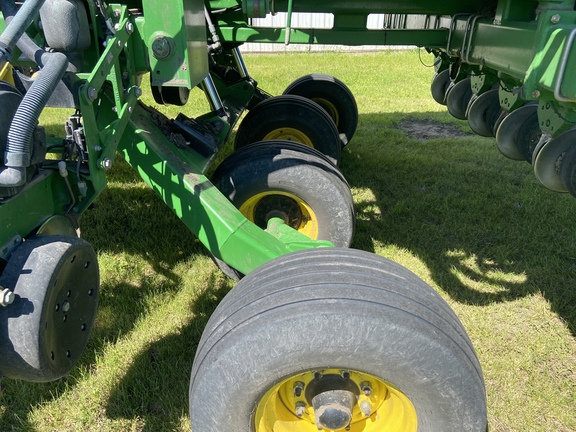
x,y
466,211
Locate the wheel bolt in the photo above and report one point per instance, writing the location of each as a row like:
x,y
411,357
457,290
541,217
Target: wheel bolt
x,y
300,409
298,388
366,408
366,388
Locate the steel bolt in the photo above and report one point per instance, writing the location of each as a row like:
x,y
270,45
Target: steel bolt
x,y
300,409
116,27
138,92
536,94
117,12
161,47
345,374
129,27
106,164
555,19
7,297
298,388
366,388
366,408
92,94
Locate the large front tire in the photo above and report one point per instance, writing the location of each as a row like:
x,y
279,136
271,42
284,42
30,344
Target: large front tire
x,y
355,319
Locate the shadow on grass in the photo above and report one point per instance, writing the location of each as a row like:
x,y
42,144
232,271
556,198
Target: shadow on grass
x,y
466,212
161,371
129,224
471,215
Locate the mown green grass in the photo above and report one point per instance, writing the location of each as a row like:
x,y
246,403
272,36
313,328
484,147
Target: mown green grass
x,y
478,227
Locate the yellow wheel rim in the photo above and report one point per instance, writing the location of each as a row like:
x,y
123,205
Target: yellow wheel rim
x,y
292,210
6,73
380,406
289,134
330,108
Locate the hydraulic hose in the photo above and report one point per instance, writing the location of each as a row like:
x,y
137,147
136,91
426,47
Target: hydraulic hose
x,y
26,44
17,27
17,154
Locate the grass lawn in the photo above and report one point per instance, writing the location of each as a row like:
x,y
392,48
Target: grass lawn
x,y
476,226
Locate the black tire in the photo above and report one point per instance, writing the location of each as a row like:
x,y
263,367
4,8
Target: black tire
x,y
439,86
282,167
293,118
165,95
333,96
335,309
44,331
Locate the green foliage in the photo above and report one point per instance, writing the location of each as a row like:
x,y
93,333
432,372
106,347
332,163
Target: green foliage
x,y
478,227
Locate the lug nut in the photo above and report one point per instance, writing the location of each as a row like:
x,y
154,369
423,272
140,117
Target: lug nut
x,y
300,409
366,408
366,388
298,388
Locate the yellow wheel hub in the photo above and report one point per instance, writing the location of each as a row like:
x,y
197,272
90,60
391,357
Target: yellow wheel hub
x,y
292,210
330,108
379,407
289,134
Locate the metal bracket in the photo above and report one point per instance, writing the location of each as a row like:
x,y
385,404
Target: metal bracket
x,y
453,28
7,249
562,68
468,35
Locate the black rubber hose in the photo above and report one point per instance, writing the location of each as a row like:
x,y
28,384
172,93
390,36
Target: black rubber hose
x,y
25,44
17,154
18,26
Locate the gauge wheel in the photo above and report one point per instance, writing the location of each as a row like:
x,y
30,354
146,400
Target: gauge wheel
x,y
55,281
335,339
293,182
291,118
332,95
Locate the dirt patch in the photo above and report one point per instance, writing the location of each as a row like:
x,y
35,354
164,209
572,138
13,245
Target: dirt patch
x,y
424,130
